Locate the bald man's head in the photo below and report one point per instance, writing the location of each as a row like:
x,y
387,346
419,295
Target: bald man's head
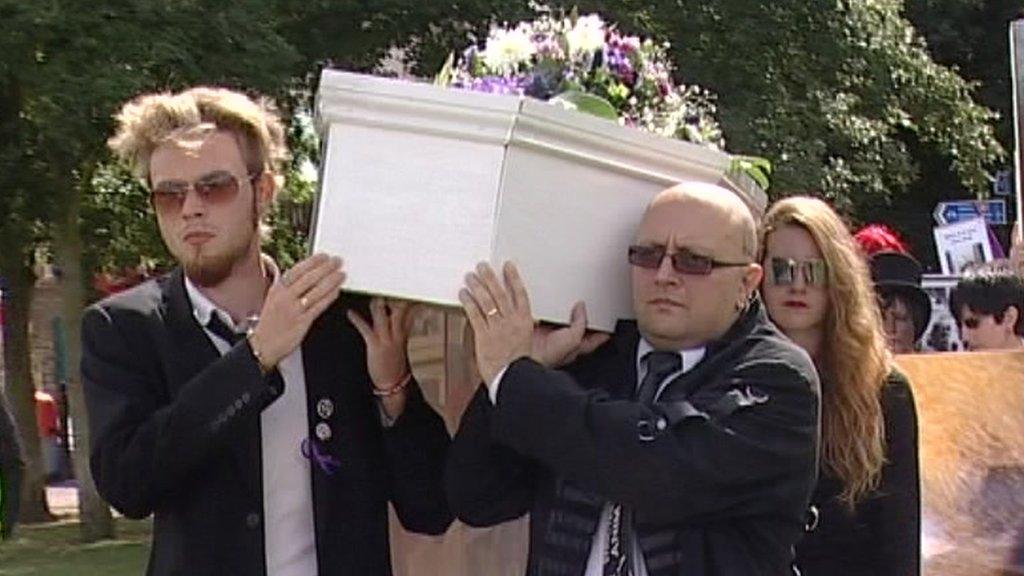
x,y
723,202
713,235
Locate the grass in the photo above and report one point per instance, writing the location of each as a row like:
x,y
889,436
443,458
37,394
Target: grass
x,y
56,550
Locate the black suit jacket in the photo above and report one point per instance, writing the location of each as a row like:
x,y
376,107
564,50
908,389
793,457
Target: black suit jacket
x,y
175,433
718,472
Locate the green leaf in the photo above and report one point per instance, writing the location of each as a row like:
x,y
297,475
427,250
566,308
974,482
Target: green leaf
x,y
587,103
447,72
754,166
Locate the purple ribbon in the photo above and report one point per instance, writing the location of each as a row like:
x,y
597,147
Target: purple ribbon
x,y
313,451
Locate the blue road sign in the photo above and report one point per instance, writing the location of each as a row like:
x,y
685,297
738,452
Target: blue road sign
x,y
955,211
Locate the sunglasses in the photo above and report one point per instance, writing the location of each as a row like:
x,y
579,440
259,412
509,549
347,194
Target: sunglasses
x,y
786,270
970,323
683,261
220,187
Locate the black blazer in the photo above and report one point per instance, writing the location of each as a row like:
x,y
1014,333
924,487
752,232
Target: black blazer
x,y
881,536
718,472
175,433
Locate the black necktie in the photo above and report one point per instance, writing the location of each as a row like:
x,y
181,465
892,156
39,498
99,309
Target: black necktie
x,y
218,327
659,366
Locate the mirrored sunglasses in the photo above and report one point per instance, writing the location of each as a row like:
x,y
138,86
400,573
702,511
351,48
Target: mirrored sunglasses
x,y
785,271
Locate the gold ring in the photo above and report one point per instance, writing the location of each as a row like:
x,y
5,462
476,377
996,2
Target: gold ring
x,y
492,312
304,302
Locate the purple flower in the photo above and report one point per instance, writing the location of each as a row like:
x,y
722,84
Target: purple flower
x,y
495,85
635,75
620,65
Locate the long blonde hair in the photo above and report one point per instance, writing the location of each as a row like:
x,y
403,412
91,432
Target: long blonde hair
x,y
853,362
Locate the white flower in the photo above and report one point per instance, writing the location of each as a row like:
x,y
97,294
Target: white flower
x,y
587,35
507,48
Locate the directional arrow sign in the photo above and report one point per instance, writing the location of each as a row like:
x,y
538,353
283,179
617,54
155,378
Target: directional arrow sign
x,y
955,211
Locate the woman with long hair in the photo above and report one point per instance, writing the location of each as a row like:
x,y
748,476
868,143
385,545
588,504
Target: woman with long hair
x,y
865,513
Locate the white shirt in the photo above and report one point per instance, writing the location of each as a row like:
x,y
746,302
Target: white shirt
x,y
288,528
595,563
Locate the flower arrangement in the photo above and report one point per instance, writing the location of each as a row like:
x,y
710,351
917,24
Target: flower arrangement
x,y
582,62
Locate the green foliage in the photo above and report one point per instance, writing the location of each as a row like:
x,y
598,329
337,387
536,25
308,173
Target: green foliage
x,y
759,169
69,66
841,97
118,224
972,37
587,103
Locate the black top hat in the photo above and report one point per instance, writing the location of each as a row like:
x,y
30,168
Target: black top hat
x,y
899,273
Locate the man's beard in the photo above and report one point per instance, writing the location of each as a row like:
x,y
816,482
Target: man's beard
x,y
209,270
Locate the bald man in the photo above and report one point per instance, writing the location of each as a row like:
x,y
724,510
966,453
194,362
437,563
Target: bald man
x,y
686,444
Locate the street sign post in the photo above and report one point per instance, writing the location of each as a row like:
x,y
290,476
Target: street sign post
x,y
1002,185
994,211
1016,63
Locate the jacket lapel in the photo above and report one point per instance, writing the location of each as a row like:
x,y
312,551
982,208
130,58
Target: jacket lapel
x,y
191,352
685,384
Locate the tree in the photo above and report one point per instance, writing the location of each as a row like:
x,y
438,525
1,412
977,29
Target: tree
x,y
20,230
831,92
972,36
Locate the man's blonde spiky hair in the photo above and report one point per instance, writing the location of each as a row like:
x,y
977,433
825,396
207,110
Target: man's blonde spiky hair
x,y
153,119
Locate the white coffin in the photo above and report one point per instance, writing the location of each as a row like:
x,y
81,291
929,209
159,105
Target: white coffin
x,y
419,183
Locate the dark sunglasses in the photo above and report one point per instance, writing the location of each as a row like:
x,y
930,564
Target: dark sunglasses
x,y
219,187
683,261
970,323
784,272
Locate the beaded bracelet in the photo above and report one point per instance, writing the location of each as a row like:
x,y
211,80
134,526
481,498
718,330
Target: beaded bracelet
x,y
392,390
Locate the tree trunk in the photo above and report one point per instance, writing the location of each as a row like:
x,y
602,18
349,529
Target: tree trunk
x,y
19,385
96,520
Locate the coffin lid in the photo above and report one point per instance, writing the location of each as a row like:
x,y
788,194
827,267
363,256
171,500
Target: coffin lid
x,y
511,120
